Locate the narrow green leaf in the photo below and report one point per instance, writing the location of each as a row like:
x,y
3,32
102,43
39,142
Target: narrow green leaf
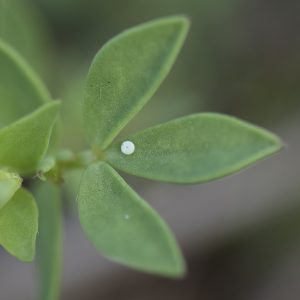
x,y
24,143
126,72
21,91
49,241
123,227
196,148
9,184
19,225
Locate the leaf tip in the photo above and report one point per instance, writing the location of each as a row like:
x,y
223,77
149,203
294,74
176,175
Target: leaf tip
x,y
56,104
53,108
276,144
279,144
175,267
27,259
179,268
184,20
181,21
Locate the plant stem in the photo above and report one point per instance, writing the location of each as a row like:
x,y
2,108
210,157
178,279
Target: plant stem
x,y
65,160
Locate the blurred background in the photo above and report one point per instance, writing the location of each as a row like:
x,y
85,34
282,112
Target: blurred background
x,y
240,235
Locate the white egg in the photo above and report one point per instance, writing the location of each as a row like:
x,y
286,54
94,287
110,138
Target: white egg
x,y
127,147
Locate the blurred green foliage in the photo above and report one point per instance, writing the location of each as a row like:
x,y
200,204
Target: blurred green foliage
x,y
242,57
23,27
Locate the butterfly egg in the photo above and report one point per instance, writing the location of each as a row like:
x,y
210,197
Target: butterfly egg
x,y
127,147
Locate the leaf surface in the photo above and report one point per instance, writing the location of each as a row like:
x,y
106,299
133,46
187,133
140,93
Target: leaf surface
x,y
49,241
196,148
9,184
21,91
24,143
126,72
19,225
123,227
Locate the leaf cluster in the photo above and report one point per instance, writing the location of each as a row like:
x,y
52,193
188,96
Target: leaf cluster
x,y
123,76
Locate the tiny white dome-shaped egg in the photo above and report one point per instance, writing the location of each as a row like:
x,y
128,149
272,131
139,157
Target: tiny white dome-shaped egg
x,y
127,147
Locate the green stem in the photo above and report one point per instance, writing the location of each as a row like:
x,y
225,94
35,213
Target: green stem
x,y
66,160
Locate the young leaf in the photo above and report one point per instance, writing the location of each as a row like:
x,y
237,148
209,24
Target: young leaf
x,y
21,91
49,241
126,72
19,225
123,227
24,143
196,148
9,184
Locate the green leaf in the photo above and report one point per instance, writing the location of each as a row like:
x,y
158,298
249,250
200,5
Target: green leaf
x,y
196,148
19,225
126,72
47,164
21,91
24,143
9,184
123,227
49,241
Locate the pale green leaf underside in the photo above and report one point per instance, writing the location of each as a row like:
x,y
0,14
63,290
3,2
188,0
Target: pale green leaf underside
x,y
9,184
126,72
196,148
21,91
24,143
123,226
19,225
49,241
